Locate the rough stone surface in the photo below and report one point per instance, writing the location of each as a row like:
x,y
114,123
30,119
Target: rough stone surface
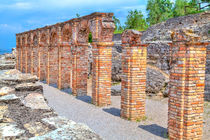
x,y
8,98
23,111
10,131
6,91
35,101
28,87
161,32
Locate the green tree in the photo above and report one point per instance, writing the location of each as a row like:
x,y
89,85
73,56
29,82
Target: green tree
x,y
158,11
135,20
179,7
117,23
77,15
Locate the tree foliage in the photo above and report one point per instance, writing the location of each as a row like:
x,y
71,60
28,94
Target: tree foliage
x,y
117,23
179,7
158,11
135,20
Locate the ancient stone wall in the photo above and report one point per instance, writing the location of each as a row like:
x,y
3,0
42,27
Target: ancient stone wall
x,y
58,54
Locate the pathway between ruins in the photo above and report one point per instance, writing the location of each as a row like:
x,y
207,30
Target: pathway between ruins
x,y
106,121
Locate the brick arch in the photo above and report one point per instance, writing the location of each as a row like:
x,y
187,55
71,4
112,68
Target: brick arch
x,y
83,31
35,40
43,38
66,33
29,39
53,36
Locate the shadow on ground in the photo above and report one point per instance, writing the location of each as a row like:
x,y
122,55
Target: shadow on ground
x,y
114,111
155,129
67,90
86,99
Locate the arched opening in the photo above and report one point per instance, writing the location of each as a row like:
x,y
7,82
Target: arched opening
x,y
53,60
65,64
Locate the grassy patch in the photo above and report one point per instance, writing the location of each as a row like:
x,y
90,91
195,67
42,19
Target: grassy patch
x,y
115,83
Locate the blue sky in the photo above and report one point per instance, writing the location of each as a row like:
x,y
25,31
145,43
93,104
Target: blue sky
x,y
21,15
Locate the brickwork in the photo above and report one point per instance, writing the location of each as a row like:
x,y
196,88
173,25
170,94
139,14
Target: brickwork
x,y
134,63
23,55
101,81
187,79
58,54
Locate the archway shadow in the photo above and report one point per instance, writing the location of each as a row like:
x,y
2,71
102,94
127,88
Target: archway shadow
x,y
114,111
86,99
155,129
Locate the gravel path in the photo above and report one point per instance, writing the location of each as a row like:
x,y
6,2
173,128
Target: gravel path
x,y
106,121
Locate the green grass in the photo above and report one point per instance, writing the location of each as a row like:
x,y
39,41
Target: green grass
x,y
115,83
118,31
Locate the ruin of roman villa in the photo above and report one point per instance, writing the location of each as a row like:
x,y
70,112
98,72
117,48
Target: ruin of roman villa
x,y
57,54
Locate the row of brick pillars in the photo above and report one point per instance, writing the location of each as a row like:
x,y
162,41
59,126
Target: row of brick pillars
x,y
187,76
58,54
187,80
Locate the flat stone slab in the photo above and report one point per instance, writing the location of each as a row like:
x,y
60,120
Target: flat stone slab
x,y
35,101
37,128
6,91
8,98
58,121
10,130
28,87
7,66
67,129
10,78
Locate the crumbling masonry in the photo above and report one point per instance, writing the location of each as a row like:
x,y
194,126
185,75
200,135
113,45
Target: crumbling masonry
x,y
58,54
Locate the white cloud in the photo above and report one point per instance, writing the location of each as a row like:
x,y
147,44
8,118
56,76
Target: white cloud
x,y
10,28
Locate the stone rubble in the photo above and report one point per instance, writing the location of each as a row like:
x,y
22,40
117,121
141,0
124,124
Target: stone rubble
x,y
25,114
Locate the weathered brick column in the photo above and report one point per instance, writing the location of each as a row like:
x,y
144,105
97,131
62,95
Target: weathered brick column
x,y
80,69
187,79
65,62
79,58
35,55
29,49
102,59
53,57
134,63
23,54
17,52
101,80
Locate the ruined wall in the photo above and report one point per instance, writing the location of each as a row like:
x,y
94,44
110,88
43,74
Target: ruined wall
x,y
58,54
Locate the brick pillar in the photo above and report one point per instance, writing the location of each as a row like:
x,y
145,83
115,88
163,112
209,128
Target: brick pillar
x,y
134,64
29,58
80,69
53,64
35,60
32,60
23,56
26,59
64,76
17,52
101,81
186,93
